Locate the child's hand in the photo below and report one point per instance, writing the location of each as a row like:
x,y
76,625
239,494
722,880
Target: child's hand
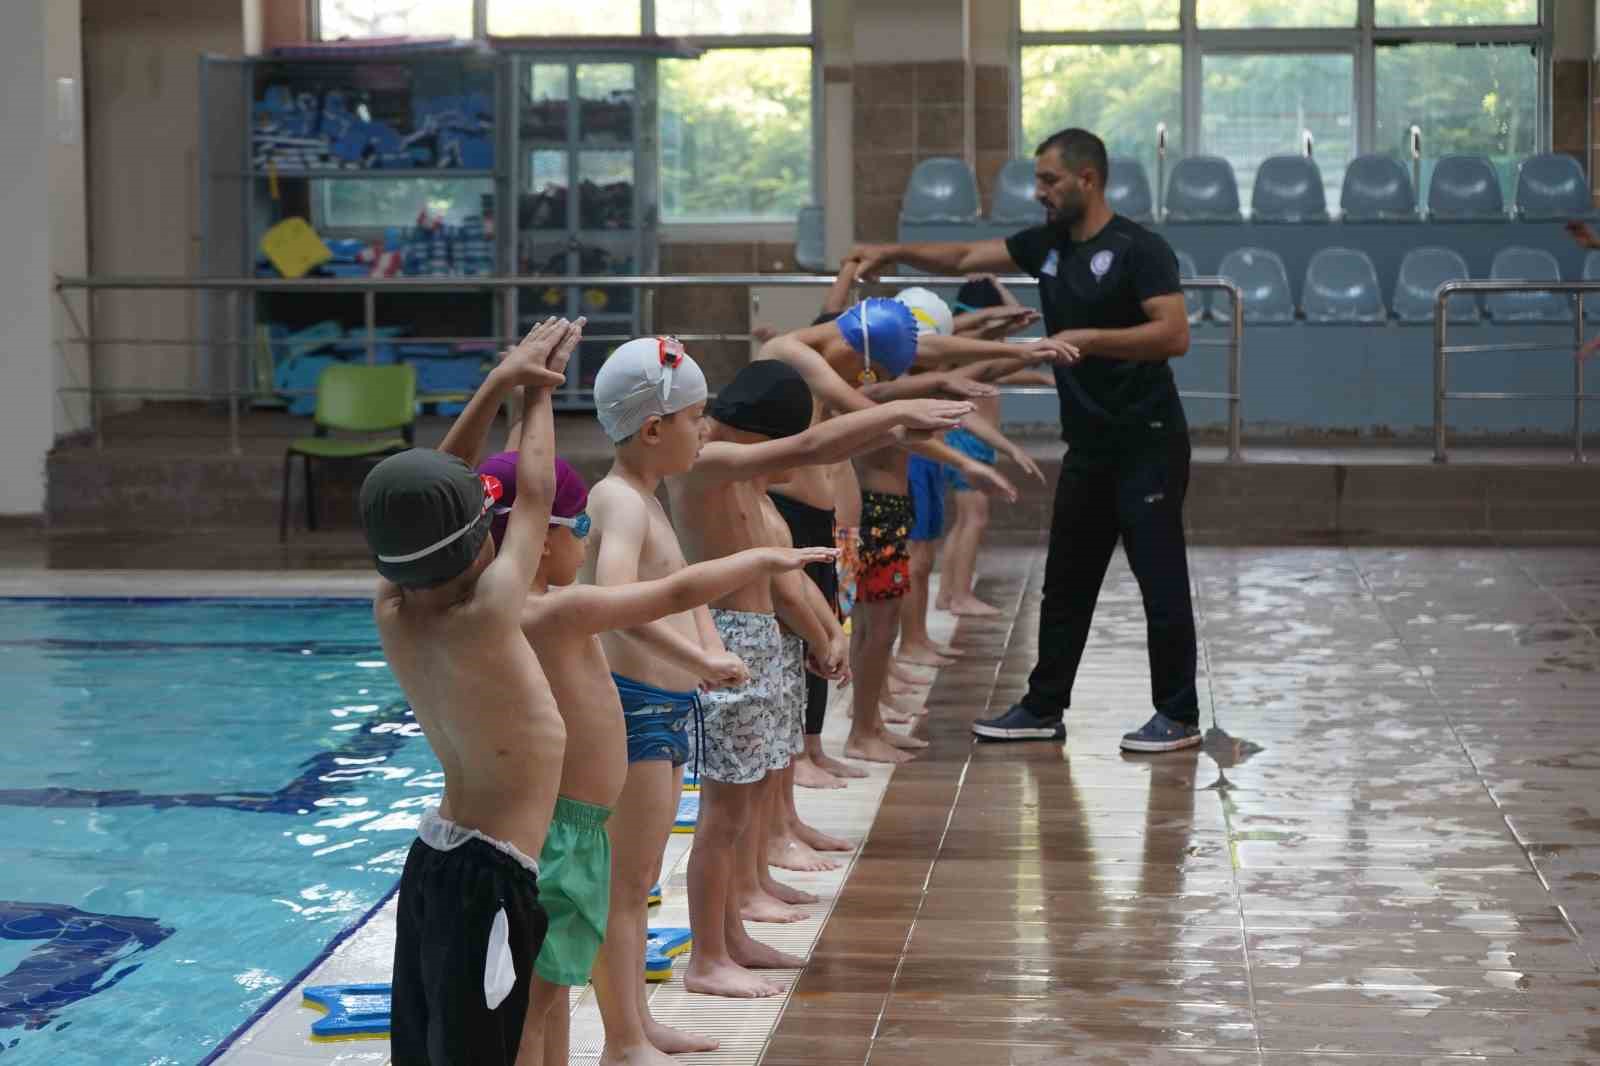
x,y
1049,350
526,364
1589,349
1025,462
723,669
786,559
986,478
930,416
561,354
963,388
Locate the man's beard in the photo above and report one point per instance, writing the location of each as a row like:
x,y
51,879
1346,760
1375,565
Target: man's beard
x,y
1063,218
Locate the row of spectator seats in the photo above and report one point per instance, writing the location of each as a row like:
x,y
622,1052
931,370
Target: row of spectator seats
x,y
1288,188
1341,285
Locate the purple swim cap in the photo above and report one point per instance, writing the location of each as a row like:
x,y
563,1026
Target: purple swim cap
x,y
572,495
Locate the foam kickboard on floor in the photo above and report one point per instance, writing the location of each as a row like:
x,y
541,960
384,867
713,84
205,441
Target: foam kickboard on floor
x,y
688,813
657,968
654,898
353,1012
670,941
691,782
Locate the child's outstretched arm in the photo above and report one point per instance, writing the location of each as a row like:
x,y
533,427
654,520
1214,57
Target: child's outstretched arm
x,y
469,433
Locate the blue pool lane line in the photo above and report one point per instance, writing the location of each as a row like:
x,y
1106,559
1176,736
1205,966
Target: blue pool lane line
x,y
75,961
319,778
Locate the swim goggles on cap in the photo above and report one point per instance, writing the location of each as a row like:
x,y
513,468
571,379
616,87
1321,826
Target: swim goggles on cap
x,y
672,356
492,491
868,376
578,523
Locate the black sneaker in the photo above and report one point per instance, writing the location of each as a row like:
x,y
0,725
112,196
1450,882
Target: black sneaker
x,y
1161,733
1019,723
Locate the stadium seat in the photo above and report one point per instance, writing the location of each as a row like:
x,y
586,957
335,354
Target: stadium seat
x,y
1128,190
1551,186
1465,187
1288,189
1202,188
1342,286
1377,189
1263,284
1422,271
1527,264
810,242
940,190
1013,202
1197,301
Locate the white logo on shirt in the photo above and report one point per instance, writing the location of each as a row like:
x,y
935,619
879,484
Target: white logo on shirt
x,y
1051,261
1100,264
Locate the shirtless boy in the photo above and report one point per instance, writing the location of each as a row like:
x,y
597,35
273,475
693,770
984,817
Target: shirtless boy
x,y
447,609
759,430
562,621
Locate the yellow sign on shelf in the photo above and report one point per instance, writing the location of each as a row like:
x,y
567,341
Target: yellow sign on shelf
x,y
294,248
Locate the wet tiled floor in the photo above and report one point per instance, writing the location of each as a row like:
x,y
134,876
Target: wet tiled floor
x,y
1387,853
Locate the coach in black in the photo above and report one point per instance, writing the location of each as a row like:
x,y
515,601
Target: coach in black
x,y
1109,287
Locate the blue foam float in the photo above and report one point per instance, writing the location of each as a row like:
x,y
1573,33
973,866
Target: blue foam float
x,y
688,813
354,1012
657,968
670,941
654,898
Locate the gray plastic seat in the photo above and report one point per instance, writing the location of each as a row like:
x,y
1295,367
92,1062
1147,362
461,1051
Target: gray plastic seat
x,y
1263,284
810,240
1014,203
1519,263
1422,271
1551,186
940,190
1196,301
1342,286
1202,188
1591,300
1465,187
1288,189
1128,189
1376,189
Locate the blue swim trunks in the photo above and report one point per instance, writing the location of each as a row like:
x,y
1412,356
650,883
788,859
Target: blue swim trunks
x,y
657,721
927,498
966,444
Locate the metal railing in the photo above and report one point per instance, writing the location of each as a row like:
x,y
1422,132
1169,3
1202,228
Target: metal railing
x,y
234,290
1442,350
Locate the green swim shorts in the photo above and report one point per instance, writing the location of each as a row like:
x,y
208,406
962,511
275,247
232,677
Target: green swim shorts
x,y
575,891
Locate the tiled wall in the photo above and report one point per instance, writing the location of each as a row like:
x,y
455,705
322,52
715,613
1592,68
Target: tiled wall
x,y
904,113
717,309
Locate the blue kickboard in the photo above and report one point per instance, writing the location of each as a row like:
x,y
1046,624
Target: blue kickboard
x,y
670,941
654,898
355,1012
691,782
657,968
688,813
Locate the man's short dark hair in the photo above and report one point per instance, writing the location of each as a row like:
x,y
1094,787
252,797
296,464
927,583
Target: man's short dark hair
x,y
1078,148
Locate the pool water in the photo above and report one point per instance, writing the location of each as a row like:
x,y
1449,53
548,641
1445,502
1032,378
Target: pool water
x,y
196,797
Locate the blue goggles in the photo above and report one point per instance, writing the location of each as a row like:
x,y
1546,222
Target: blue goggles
x,y
579,523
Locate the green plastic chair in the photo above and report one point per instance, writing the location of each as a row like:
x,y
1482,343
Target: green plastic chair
x,y
352,399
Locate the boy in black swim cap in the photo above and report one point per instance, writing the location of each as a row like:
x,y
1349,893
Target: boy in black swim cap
x,y
469,923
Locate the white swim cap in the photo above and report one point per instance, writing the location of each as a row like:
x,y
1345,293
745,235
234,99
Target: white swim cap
x,y
933,315
645,377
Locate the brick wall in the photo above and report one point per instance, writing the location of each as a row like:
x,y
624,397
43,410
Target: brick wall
x,y
720,308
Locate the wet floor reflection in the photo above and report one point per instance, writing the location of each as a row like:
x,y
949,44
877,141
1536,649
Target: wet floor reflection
x,y
1384,852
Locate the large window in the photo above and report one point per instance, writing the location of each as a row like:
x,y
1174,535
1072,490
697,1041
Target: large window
x,y
1248,79
735,126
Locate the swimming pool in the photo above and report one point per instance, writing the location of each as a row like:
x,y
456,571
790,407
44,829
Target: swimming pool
x,y
196,797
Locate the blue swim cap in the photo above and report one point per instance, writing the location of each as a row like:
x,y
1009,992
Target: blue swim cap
x,y
885,331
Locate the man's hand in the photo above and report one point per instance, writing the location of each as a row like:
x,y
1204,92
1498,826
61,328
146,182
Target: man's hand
x,y
1583,234
986,478
1025,462
782,560
1051,350
527,364
723,669
871,259
931,416
964,388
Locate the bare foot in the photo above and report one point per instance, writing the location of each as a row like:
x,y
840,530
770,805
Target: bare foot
x,y
793,853
837,768
650,1055
902,741
922,655
874,749
907,673
972,607
808,774
817,840
729,979
941,602
769,911
785,893
670,1041
751,953
894,715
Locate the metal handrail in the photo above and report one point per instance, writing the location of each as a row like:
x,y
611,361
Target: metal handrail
x,y
371,288
1442,350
